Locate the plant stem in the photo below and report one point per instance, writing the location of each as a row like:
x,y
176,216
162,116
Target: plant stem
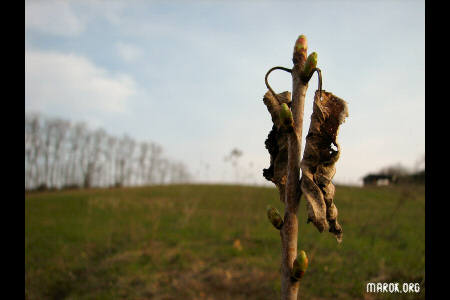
x,y
289,231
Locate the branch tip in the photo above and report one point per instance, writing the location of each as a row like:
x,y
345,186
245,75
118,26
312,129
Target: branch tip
x,y
310,67
301,45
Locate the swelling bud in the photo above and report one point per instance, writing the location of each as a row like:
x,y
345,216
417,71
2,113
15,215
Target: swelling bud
x,y
300,265
310,65
301,45
274,217
286,118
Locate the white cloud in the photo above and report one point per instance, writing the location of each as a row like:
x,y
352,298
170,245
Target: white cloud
x,y
52,17
71,84
129,52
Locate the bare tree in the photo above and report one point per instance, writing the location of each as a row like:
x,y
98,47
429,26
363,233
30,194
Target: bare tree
x,y
109,155
131,145
396,170
163,170
125,148
142,167
32,149
61,155
36,144
233,158
60,131
76,141
153,161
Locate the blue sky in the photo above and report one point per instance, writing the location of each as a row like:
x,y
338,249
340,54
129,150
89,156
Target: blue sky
x,y
190,75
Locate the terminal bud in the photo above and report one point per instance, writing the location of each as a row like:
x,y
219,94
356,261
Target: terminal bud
x,y
301,46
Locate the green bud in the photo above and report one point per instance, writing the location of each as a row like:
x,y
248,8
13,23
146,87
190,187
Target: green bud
x,y
310,65
286,118
300,265
301,45
274,217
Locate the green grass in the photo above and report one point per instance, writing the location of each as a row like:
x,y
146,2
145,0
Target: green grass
x,y
215,242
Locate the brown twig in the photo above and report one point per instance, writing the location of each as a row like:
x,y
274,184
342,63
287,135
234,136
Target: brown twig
x,y
284,143
289,231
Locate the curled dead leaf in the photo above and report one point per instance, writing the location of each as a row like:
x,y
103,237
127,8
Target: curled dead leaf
x,y
277,141
319,159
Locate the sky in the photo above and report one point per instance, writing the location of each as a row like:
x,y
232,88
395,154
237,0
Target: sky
x,y
189,75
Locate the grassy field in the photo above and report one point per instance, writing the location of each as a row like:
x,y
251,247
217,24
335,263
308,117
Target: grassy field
x,y
215,242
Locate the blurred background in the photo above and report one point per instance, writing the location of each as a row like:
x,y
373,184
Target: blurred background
x,y
144,141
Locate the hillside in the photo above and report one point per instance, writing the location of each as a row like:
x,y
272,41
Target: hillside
x,y
215,242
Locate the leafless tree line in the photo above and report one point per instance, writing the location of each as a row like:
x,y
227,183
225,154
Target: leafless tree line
x,y
59,154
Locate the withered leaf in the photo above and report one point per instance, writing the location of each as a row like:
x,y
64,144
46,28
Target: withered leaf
x,y
319,159
277,142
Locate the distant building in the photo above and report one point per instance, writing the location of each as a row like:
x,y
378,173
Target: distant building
x,y
386,179
378,179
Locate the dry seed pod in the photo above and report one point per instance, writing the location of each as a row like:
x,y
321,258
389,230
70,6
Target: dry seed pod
x,y
319,159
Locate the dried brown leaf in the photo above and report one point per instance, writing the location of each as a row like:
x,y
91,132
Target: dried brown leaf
x,y
277,142
319,159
